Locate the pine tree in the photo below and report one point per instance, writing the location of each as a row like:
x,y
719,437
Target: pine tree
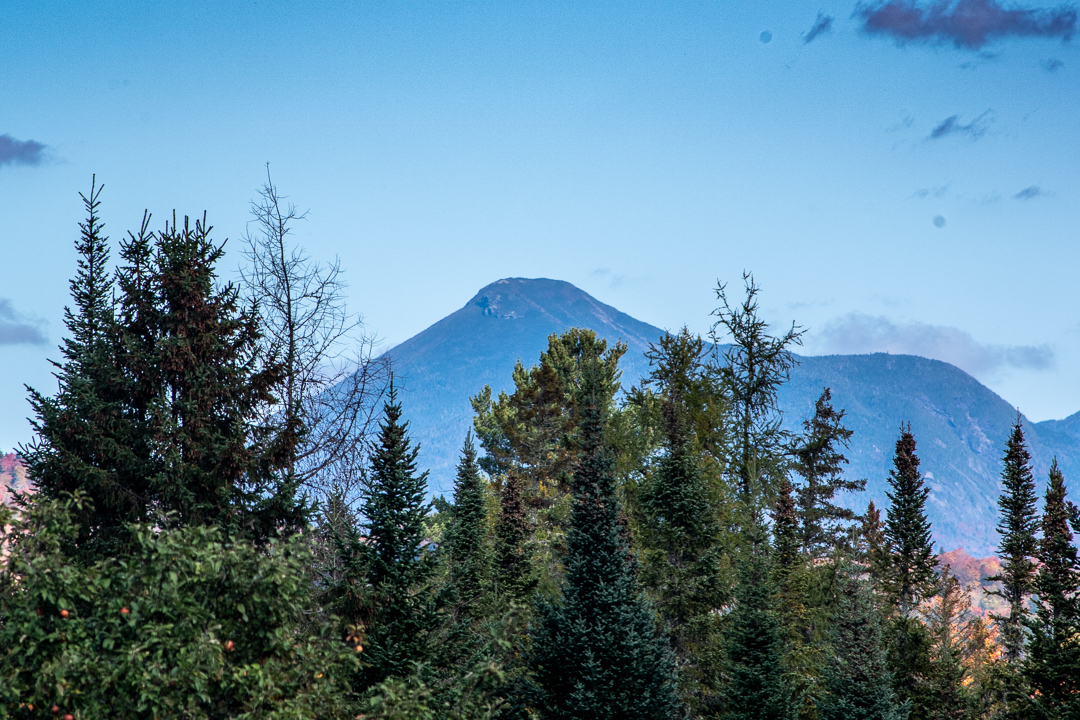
x,y
680,535
1052,665
756,365
818,460
950,624
1018,546
87,439
786,529
597,653
873,547
399,566
220,466
912,564
755,686
467,534
857,680
515,575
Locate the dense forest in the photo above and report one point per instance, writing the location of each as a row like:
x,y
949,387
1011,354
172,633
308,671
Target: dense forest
x,y
228,521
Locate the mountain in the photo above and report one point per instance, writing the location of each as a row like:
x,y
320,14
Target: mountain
x,y
959,424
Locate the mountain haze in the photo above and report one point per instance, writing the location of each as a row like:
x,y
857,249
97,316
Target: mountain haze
x,y
960,425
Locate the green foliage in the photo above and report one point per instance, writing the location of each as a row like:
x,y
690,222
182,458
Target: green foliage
x,y
1052,666
515,571
950,684
397,566
756,365
679,534
466,537
817,458
857,681
89,436
912,563
1017,525
597,654
161,397
185,624
755,686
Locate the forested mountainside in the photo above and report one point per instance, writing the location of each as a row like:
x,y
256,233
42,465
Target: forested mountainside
x,y
960,425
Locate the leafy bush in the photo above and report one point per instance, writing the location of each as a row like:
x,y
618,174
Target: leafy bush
x,y
186,625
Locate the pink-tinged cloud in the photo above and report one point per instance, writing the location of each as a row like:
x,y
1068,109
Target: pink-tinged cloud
x,y
966,23
857,334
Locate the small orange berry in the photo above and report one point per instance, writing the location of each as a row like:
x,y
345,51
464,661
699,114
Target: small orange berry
x,y
69,716
64,613
229,645
124,611
55,709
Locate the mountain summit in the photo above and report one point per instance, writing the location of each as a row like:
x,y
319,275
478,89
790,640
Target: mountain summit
x,y
959,424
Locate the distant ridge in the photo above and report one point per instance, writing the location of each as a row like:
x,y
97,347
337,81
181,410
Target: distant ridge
x,y
960,425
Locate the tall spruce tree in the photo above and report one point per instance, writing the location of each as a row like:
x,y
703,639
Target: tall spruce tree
x,y
87,437
399,568
755,686
1052,665
858,683
597,653
467,535
1018,546
912,563
515,574
818,460
220,466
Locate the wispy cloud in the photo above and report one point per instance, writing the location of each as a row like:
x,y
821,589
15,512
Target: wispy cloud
x,y
952,126
822,24
15,329
20,152
857,333
965,23
1030,193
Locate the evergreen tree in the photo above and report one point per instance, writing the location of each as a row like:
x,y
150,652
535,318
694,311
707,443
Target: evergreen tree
x,y
950,625
467,534
873,546
912,564
1018,546
756,364
680,535
597,654
220,466
818,460
1052,666
755,686
399,567
857,680
786,529
86,437
515,574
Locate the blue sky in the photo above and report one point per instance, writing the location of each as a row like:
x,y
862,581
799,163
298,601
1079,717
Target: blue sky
x,y
904,181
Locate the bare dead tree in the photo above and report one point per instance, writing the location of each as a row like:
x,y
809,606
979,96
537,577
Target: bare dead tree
x,y
332,380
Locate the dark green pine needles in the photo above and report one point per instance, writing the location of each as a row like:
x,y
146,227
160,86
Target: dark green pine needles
x,y
596,655
858,685
912,562
1018,544
399,567
755,686
467,532
1052,665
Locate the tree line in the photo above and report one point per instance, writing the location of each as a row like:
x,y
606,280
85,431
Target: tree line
x,y
229,521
